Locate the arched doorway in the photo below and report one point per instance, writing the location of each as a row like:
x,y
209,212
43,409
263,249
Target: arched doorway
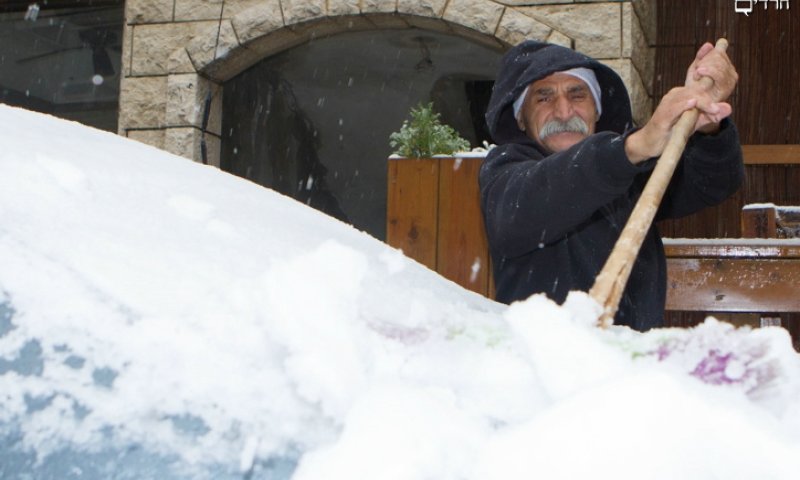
x,y
313,122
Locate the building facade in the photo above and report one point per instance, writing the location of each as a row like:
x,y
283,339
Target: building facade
x,y
178,54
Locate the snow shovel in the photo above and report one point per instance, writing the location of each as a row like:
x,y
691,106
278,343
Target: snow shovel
x,y
610,283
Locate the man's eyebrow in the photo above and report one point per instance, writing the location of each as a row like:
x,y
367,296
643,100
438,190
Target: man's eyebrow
x,y
544,91
579,87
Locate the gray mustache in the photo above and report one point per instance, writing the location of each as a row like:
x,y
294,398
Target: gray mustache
x,y
574,124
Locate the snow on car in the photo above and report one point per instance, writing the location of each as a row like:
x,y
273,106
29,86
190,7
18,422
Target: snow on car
x,y
163,319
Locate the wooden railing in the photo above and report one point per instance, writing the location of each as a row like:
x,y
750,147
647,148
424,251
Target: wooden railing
x,y
771,154
766,220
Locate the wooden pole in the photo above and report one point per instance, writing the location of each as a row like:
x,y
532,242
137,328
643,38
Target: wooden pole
x,y
610,283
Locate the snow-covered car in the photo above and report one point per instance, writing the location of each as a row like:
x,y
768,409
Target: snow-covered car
x,y
163,319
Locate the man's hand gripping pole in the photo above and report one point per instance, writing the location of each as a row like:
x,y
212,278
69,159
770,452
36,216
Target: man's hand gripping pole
x,y
610,283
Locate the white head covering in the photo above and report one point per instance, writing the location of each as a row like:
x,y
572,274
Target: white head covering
x,y
585,74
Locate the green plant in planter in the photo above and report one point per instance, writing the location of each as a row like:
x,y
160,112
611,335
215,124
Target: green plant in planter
x,y
425,135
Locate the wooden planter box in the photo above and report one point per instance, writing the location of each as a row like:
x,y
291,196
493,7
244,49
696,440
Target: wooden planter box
x,y
434,216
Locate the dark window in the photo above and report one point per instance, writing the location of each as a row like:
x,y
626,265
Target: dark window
x,y
313,122
63,58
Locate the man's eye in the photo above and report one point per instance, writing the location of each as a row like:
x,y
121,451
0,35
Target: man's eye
x,y
578,95
542,99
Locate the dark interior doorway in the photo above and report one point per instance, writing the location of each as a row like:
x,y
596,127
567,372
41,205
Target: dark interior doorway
x,y
313,122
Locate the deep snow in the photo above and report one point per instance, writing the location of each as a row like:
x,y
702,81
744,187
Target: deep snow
x,y
151,304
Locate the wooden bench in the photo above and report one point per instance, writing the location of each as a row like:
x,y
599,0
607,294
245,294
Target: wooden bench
x,y
733,275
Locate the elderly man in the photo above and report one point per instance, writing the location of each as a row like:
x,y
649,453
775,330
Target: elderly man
x,y
569,167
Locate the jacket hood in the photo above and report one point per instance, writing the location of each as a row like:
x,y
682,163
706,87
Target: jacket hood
x,y
530,61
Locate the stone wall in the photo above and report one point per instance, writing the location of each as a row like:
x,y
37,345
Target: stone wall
x,y
178,53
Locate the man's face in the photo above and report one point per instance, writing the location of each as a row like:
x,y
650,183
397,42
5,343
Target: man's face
x,y
554,108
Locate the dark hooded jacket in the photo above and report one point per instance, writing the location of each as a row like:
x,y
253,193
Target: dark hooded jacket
x,y
552,219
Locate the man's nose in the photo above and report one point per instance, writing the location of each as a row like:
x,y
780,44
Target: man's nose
x,y
563,108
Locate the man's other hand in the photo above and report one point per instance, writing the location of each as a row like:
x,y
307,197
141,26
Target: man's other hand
x,y
709,62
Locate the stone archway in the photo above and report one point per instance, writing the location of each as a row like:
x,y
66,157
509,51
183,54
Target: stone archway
x,y
177,53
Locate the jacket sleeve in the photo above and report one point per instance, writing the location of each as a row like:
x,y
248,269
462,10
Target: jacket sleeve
x,y
711,170
528,199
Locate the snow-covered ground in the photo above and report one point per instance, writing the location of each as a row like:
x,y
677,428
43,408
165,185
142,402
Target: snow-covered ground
x,y
162,319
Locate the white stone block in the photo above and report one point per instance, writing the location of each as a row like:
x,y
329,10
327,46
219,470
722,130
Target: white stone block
x,y
148,11
525,3
515,27
192,10
257,21
214,43
558,38
186,102
645,10
635,46
422,8
142,102
179,62
378,6
154,138
595,27
154,44
127,48
298,11
343,7
186,142
480,15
